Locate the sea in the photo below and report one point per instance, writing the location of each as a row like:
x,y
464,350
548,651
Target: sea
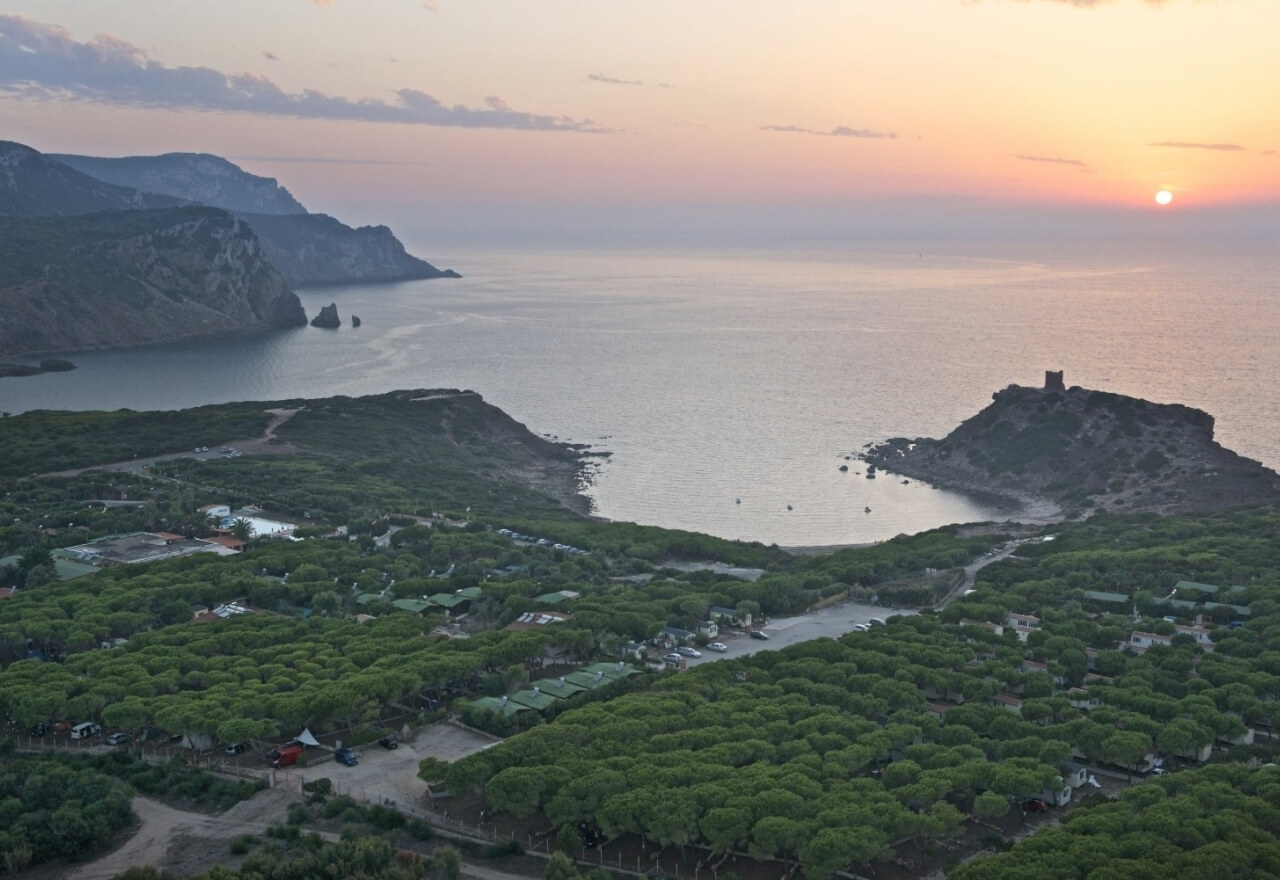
x,y
729,383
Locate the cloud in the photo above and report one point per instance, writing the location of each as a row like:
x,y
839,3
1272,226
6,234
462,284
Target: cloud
x,y
430,6
1183,145
269,56
1268,152
1077,163
613,80
45,63
838,131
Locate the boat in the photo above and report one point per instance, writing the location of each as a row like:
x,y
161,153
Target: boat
x,y
867,509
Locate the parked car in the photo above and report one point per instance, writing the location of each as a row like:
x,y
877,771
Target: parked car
x,y
85,729
674,659
236,748
1034,805
119,738
688,652
860,627
876,621
389,741
346,757
38,729
718,647
760,634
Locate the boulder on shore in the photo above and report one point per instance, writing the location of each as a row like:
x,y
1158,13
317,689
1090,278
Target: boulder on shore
x,y
327,318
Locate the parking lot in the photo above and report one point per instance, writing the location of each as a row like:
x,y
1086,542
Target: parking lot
x,y
830,622
384,775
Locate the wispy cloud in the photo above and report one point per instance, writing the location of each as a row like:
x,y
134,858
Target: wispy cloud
x,y
44,62
1183,145
1054,160
613,80
838,131
1268,152
270,56
430,6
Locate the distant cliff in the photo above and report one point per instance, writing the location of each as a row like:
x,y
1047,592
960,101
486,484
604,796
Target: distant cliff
x,y
315,249
194,177
32,183
308,249
1085,451
133,278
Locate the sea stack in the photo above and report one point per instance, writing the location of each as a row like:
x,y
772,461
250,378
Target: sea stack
x,y
328,318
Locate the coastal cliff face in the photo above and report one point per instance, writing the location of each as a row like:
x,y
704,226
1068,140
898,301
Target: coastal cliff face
x,y
33,183
315,249
135,278
1085,451
195,177
307,249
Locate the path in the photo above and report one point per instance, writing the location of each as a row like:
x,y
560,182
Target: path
x,y
160,826
255,446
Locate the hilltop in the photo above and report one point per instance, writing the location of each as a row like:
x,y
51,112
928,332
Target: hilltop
x,y
303,247
124,278
1084,451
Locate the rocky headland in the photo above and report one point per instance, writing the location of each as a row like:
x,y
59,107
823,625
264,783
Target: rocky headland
x,y
1083,451
115,279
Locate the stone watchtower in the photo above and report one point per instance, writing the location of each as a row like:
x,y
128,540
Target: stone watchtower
x,y
1053,381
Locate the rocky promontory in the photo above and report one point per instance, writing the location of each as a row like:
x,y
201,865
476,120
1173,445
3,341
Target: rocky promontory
x,y
126,278
1085,451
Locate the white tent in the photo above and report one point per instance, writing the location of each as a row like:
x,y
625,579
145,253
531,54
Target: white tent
x,y
306,738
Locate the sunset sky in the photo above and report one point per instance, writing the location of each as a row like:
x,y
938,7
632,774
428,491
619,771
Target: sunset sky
x,y
399,109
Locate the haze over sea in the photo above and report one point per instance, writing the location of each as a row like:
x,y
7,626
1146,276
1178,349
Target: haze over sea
x,y
731,382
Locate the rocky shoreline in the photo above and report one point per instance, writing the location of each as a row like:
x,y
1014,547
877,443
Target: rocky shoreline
x,y
1057,452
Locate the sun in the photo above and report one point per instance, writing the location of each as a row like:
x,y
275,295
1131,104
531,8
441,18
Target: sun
x,y
1164,197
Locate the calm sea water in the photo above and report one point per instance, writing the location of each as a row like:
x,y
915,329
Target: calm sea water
x,y
731,384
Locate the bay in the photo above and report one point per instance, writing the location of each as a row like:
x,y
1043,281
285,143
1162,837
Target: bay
x,y
730,383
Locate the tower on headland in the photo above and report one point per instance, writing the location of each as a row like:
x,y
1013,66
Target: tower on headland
x,y
1053,381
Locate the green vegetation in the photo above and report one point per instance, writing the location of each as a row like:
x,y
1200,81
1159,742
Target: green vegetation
x,y
44,440
55,809
1218,822
833,754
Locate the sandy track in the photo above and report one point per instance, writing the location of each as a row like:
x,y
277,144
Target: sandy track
x,y
160,824
262,445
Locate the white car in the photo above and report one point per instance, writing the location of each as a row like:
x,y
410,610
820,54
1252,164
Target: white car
x,y
718,647
860,627
673,659
688,652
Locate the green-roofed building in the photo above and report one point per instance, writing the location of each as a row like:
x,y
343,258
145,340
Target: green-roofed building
x,y
413,606
366,598
1107,598
502,706
534,698
612,671
1241,610
561,688
11,561
451,602
471,593
1192,585
588,681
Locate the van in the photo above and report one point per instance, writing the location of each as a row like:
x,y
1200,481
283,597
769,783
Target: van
x,y
85,729
285,756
